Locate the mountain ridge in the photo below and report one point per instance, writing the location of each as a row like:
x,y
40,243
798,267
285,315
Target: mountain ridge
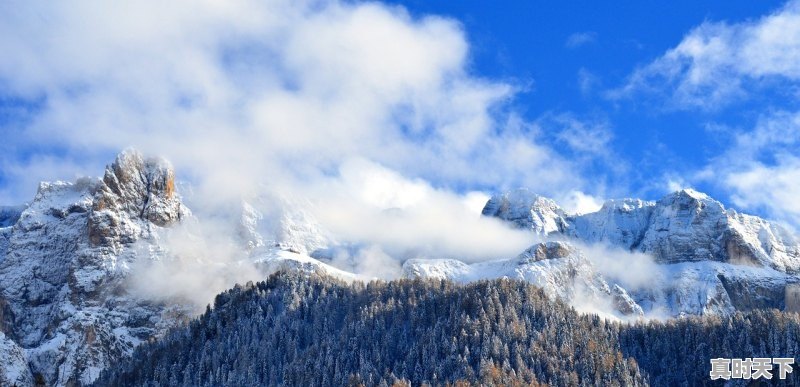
x,y
68,309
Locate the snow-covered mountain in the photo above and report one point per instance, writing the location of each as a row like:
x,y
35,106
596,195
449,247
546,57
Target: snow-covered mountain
x,y
710,260
67,262
66,307
559,268
63,294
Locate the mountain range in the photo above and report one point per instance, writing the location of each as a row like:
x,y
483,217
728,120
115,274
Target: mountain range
x,y
72,300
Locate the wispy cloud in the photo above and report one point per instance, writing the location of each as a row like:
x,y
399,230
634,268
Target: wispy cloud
x,y
761,167
579,39
587,81
718,63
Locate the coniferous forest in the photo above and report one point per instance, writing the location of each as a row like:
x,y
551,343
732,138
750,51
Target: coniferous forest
x,y
317,331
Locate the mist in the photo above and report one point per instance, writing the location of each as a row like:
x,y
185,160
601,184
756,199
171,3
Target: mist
x,y
193,262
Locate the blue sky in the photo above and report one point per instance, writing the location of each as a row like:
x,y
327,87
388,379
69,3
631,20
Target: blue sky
x,y
580,100
572,53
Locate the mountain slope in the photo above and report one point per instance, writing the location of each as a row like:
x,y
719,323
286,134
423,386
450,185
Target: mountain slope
x,y
70,303
559,268
316,331
67,305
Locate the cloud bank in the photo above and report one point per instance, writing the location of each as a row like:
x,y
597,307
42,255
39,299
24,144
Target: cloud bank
x,y
239,92
358,107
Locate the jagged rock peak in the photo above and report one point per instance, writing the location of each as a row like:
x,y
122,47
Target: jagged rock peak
x,y
138,187
546,250
690,198
527,210
689,192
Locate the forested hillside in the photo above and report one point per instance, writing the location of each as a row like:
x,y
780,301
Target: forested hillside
x,y
296,330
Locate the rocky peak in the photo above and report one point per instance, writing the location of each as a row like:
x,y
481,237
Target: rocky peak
x,y
134,188
546,250
684,226
527,210
143,187
691,202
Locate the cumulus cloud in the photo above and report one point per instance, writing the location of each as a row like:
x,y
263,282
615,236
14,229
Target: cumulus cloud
x,y
633,270
717,62
577,202
242,91
356,107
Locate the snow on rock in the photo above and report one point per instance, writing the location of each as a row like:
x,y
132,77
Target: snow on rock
x,y
133,189
527,211
714,260
63,295
272,260
283,223
557,267
622,221
14,369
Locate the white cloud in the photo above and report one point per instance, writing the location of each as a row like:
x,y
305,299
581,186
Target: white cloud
x,y
717,63
580,38
364,204
761,168
584,137
238,92
577,202
772,187
475,201
587,81
357,107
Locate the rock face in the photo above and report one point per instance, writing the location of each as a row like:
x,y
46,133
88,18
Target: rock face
x,y
713,259
133,190
688,226
67,309
14,369
63,266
